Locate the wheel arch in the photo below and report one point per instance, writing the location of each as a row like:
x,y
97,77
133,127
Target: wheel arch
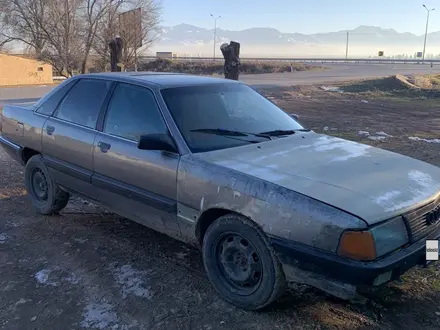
x,y
28,153
209,216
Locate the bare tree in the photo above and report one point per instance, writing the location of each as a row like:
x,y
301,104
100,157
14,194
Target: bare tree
x,y
93,15
62,35
112,26
21,21
65,32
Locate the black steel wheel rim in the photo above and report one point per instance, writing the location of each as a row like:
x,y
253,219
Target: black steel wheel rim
x,y
239,263
39,185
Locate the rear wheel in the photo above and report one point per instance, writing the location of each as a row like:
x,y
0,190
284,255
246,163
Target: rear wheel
x,y
241,263
46,196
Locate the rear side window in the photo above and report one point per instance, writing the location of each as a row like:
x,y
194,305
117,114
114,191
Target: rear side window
x,y
50,105
83,102
132,112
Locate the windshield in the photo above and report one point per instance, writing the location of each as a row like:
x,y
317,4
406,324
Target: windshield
x,y
200,112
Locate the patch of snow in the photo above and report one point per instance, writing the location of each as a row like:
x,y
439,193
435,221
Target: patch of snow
x,y
364,101
352,149
387,196
132,282
72,278
3,238
332,89
80,240
99,316
181,255
43,276
415,138
423,179
383,134
377,138
22,301
422,186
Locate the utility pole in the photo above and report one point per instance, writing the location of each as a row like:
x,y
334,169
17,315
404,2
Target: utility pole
x,y
346,47
426,31
215,31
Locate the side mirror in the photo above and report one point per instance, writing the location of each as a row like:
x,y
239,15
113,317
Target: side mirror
x,y
162,142
294,116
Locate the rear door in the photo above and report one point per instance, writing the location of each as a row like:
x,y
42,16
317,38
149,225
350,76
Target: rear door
x,y
68,135
140,184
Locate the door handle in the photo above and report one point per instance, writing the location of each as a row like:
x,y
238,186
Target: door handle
x,y
104,146
50,130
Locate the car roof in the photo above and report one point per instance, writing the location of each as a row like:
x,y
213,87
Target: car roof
x,y
162,79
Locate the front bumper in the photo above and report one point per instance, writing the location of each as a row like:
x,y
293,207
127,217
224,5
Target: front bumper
x,y
356,273
14,150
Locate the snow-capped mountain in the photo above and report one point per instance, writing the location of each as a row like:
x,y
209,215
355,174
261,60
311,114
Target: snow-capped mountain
x,y
364,40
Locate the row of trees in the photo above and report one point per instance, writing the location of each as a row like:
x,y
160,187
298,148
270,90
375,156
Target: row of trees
x,y
66,33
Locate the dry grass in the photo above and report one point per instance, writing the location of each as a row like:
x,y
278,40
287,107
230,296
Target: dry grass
x,y
212,68
402,87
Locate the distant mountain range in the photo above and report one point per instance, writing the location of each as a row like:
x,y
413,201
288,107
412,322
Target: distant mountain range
x,y
363,41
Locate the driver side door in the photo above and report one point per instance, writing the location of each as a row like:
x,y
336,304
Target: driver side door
x,y
138,184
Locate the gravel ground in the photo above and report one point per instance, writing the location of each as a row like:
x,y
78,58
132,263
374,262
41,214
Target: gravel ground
x,y
89,269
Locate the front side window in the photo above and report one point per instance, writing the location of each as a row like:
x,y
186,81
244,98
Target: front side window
x,y
133,112
83,102
204,114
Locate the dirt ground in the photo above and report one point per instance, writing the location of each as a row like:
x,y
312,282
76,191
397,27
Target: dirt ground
x,y
89,269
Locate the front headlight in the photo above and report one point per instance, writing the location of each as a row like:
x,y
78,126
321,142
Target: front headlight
x,y
376,242
390,236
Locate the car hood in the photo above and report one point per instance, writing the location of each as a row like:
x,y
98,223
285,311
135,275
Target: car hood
x,y
371,183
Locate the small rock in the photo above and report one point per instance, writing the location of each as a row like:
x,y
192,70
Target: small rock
x,y
364,101
326,128
222,322
437,313
33,318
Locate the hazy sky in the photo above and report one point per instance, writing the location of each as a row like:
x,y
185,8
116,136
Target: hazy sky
x,y
306,16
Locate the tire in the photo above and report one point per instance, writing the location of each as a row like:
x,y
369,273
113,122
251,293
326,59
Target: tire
x,y
46,196
251,282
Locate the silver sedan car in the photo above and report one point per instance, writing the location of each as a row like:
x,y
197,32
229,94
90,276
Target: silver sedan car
x,y
213,163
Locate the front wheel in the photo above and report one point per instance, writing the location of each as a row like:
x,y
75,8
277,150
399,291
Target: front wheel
x,y
241,263
46,196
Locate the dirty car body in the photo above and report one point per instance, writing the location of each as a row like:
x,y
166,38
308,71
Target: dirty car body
x,y
339,215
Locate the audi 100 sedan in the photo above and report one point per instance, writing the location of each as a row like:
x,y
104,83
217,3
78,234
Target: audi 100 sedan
x,y
213,163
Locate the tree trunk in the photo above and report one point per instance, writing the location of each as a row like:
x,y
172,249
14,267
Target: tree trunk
x,y
84,65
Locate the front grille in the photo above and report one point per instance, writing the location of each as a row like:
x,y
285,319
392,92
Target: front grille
x,y
420,221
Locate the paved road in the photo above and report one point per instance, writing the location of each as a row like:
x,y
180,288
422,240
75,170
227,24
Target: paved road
x,y
336,72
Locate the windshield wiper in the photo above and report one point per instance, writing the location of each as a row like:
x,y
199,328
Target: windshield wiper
x,y
226,132
280,132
